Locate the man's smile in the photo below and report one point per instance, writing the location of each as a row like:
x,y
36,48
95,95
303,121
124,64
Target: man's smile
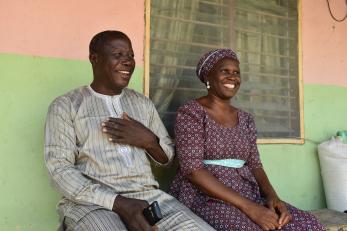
x,y
124,72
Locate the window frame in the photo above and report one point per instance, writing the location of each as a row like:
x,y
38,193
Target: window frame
x,y
146,77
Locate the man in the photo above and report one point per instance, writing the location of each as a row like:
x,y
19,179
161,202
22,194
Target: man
x,y
99,140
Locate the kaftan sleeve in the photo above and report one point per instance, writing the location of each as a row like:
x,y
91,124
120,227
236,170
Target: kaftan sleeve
x,y
253,160
158,128
190,141
60,152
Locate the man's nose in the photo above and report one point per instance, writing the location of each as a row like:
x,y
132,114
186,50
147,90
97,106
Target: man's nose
x,y
126,60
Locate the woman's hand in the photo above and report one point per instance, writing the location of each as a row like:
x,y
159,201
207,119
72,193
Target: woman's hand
x,y
262,216
209,184
272,201
278,206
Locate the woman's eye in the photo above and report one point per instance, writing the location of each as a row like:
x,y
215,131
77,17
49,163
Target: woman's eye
x,y
232,73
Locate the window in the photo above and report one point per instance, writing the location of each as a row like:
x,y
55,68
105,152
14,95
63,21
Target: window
x,y
264,34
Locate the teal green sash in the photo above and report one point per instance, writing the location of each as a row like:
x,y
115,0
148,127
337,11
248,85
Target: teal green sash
x,y
230,163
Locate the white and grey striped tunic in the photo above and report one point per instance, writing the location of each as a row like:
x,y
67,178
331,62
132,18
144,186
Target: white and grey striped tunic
x,y
82,163
90,171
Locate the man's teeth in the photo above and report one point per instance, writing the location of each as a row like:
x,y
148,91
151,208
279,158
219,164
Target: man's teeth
x,y
230,86
124,72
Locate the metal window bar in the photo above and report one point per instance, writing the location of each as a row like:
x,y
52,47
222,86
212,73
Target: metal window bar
x,y
283,57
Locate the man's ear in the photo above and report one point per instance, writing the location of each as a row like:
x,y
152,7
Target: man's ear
x,y
93,58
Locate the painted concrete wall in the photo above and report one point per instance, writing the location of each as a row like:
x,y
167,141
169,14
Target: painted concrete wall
x,y
64,28
43,53
324,43
294,169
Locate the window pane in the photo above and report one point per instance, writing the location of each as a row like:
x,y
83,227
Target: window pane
x,y
264,34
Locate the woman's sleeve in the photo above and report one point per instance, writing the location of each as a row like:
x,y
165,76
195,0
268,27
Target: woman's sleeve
x,y
190,139
253,161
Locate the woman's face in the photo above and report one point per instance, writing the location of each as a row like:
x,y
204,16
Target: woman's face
x,y
224,78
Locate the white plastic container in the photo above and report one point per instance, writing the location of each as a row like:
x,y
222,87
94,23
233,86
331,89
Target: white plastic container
x,y
333,163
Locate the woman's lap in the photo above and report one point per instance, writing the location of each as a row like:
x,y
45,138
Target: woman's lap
x,y
223,216
302,220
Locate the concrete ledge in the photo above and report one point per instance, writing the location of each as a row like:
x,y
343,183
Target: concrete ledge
x,y
332,220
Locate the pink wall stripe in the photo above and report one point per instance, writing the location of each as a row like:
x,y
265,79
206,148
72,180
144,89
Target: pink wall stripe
x,y
64,28
324,43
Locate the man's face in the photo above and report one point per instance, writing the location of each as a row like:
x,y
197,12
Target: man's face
x,y
114,65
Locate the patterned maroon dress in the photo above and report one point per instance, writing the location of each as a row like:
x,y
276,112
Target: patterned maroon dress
x,y
199,137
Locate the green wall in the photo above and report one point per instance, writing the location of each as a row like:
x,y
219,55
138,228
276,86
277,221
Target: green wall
x,y
28,86
294,169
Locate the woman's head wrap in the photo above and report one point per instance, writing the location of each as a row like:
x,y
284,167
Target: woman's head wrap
x,y
208,60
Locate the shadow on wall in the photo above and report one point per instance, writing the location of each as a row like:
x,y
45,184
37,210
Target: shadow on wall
x,y
165,175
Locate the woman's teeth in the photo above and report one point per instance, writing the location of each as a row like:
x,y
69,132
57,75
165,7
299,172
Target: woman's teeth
x,y
230,86
124,72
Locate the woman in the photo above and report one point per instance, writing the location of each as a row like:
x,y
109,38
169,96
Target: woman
x,y
221,176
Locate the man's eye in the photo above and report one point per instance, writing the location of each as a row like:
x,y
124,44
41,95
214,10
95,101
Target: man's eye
x,y
120,55
116,54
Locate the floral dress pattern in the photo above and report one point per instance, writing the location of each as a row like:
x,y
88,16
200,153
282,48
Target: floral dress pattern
x,y
199,137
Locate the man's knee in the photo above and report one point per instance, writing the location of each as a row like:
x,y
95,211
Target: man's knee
x,y
97,220
183,220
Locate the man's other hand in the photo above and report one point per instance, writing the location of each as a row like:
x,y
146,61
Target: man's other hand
x,y
130,211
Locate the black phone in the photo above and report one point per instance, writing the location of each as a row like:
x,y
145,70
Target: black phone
x,y
152,213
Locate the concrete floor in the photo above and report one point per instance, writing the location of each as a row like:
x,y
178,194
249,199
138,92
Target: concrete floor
x,y
333,220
